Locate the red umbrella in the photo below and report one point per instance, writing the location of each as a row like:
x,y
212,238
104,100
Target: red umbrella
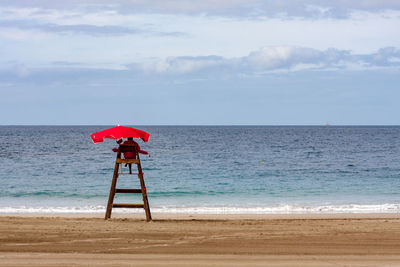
x,y
119,132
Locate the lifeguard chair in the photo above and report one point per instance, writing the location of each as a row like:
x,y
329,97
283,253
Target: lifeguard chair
x,y
123,148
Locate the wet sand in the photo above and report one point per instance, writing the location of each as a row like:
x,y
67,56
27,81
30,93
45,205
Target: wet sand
x,y
201,240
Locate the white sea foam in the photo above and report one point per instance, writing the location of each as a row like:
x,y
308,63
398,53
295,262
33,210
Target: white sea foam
x,y
282,209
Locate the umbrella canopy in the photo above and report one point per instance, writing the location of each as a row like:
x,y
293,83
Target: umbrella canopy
x,y
119,132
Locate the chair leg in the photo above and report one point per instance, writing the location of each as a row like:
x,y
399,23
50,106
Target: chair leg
x,y
112,192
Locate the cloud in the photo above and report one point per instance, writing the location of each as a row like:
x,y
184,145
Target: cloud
x,y
94,23
180,65
276,58
289,58
281,57
388,56
79,28
86,29
312,9
238,8
265,61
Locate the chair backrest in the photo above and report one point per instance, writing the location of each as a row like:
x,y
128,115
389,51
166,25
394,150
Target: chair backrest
x,y
128,148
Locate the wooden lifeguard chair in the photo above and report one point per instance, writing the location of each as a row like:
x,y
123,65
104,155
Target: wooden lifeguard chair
x,y
113,190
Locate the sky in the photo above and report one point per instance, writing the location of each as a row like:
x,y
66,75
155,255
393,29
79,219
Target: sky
x,y
186,62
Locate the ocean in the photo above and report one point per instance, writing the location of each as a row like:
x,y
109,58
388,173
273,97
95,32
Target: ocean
x,y
206,169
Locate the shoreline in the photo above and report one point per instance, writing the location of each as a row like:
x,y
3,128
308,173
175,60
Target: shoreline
x,y
392,207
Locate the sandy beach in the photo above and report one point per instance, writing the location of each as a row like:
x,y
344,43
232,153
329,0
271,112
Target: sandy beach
x,y
201,240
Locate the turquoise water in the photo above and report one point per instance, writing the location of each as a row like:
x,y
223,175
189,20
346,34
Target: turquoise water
x,y
201,169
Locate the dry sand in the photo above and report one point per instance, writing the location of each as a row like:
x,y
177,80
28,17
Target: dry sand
x,y
201,240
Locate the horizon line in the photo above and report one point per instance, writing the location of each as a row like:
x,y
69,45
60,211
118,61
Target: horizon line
x,y
208,125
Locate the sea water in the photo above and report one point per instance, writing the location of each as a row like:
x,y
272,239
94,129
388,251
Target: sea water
x,y
205,169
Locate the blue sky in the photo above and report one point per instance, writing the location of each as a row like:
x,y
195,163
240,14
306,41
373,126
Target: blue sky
x,y
200,62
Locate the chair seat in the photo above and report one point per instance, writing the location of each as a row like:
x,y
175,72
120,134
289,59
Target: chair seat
x,y
133,161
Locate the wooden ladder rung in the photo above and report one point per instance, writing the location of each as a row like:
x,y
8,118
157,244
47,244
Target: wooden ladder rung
x,y
135,206
126,190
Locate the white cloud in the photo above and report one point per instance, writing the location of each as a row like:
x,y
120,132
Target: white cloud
x,y
97,22
281,56
238,8
277,58
270,59
93,32
18,34
182,65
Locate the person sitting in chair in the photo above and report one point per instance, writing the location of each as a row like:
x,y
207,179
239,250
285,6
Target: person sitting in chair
x,y
130,155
